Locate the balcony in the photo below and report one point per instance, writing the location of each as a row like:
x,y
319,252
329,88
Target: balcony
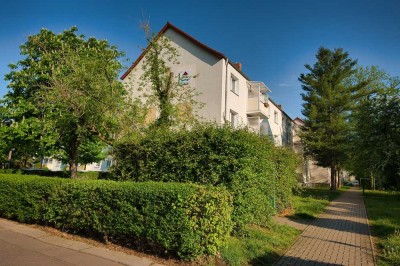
x,y
257,102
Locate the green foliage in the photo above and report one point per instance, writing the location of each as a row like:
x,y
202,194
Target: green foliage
x,y
310,202
376,133
250,167
64,93
60,174
159,88
259,246
328,102
90,151
383,215
178,219
285,162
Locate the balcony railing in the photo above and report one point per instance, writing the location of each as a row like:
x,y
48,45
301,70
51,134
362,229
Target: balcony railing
x,y
257,102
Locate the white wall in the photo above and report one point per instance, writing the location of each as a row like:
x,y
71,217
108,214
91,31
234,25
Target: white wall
x,y
271,126
197,62
236,102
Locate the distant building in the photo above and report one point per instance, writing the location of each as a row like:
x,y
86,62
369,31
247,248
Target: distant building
x,y
310,172
56,165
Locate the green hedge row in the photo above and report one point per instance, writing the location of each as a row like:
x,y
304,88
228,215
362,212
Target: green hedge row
x,y
259,175
62,174
184,220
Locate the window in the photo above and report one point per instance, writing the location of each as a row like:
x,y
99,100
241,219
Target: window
x,y
234,119
234,84
108,163
276,117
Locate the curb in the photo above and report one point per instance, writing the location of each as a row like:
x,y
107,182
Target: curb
x,y
74,245
369,232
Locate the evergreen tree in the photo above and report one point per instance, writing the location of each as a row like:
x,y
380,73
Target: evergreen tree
x,y
328,102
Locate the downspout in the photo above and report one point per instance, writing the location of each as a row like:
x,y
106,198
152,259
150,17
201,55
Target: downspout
x,y
226,90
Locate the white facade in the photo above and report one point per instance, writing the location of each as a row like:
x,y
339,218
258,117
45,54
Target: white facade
x,y
56,165
279,126
228,94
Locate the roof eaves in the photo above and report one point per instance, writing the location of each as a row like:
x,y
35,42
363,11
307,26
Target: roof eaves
x,y
239,70
280,109
195,41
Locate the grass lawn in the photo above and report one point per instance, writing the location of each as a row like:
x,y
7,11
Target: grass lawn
x,y
263,246
384,217
312,201
260,246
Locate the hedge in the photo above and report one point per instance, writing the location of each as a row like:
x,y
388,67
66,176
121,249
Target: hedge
x,y
183,220
259,175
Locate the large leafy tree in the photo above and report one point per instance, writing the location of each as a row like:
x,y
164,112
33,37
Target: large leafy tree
x,y
67,85
375,152
328,102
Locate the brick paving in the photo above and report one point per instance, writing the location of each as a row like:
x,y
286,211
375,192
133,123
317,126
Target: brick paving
x,y
340,236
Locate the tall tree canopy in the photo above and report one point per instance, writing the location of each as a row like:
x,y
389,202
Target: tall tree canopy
x,y
328,102
66,92
375,152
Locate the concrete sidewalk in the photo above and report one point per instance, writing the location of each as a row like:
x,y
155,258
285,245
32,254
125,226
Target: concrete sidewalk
x,y
24,245
340,236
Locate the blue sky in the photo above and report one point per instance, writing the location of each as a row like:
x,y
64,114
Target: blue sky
x,y
272,39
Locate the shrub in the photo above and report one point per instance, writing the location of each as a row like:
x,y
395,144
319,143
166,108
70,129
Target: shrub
x,y
186,220
62,174
246,164
286,162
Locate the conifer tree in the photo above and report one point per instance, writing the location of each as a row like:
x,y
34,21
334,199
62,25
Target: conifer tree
x,y
328,102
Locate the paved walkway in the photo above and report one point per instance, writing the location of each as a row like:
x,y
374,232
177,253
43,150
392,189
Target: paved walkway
x,y
340,236
24,245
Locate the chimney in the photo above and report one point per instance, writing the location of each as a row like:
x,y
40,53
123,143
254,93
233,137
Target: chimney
x,y
239,65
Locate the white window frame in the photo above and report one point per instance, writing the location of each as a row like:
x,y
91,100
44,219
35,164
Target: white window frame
x,y
276,117
234,119
234,84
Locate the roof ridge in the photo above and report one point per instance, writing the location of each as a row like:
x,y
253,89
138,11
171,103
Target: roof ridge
x,y
162,31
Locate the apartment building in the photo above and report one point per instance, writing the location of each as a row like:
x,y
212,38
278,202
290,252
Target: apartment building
x,y
227,92
309,172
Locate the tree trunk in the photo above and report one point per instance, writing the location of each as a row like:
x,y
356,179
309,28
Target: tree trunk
x,y
73,169
372,181
333,176
165,106
73,156
338,179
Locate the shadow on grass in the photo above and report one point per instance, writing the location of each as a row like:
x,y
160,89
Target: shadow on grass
x,y
267,259
301,216
320,193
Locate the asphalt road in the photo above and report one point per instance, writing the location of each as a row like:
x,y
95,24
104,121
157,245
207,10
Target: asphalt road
x,y
24,245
